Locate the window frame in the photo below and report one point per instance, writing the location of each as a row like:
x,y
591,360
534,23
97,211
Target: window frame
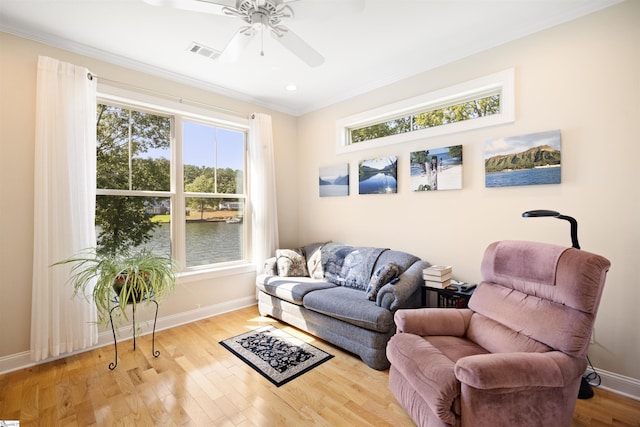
x,y
178,112
502,82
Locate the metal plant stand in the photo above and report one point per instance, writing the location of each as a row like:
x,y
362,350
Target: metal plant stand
x,y
154,352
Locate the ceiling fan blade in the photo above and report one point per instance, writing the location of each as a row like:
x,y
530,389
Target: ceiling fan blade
x,y
297,46
323,9
236,46
205,6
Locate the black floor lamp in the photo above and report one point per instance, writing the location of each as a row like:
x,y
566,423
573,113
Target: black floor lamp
x,y
586,392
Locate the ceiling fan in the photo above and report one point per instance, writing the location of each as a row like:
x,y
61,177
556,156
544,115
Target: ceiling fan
x,y
260,16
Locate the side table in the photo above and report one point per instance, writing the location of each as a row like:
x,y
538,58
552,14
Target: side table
x,y
448,298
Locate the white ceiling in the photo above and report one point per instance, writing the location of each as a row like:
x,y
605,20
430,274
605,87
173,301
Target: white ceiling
x,y
385,41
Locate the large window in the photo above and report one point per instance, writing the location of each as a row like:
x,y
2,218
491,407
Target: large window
x,y
172,182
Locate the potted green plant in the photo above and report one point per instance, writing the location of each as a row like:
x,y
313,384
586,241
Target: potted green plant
x,y
123,278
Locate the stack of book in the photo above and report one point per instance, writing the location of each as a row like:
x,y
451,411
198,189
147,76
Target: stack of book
x,y
437,276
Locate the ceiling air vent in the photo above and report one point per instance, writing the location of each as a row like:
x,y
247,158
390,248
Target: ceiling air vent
x,y
203,50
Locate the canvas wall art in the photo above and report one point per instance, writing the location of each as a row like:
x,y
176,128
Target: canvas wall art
x,y
437,169
530,159
334,180
378,176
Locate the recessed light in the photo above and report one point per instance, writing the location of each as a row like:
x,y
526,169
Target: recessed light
x,y
291,87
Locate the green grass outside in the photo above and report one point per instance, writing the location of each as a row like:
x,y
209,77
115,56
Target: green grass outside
x,y
161,218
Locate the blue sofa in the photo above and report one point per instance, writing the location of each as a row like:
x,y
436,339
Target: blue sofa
x,y
343,294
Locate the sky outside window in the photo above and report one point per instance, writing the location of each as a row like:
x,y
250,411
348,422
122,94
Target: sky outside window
x,y
203,143
200,147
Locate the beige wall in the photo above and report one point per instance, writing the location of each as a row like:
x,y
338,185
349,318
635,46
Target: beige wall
x,y
582,78
18,59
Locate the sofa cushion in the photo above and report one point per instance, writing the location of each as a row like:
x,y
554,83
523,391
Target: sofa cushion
x,y
350,305
381,277
289,288
291,263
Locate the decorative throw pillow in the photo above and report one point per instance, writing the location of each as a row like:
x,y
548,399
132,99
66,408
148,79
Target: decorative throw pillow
x,y
313,254
381,277
291,263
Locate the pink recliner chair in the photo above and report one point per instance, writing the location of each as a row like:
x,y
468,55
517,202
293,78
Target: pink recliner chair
x,y
516,356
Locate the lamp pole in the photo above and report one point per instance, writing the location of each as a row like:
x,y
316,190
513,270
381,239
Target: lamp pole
x,y
586,392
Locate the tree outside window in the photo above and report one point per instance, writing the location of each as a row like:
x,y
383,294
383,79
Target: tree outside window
x,y
458,112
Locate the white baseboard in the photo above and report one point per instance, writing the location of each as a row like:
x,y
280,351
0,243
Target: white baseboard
x,y
14,362
619,384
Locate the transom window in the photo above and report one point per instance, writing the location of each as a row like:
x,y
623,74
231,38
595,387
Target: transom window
x,y
482,102
172,182
477,107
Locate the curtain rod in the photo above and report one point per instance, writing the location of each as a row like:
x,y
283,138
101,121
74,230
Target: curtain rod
x,y
181,100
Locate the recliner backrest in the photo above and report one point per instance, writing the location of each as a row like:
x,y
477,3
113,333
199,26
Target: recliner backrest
x,y
536,297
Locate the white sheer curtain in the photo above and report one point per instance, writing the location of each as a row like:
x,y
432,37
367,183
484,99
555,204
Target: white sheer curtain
x,y
64,206
262,179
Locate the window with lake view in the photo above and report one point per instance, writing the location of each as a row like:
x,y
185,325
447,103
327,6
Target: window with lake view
x,y
172,183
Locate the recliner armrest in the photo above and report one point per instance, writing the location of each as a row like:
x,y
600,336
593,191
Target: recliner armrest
x,y
519,370
433,321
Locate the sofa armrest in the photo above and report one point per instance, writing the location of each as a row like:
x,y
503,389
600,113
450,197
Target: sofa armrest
x,y
510,371
393,296
271,266
433,321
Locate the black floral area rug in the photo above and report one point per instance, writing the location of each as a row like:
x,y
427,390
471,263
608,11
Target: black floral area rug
x,y
276,355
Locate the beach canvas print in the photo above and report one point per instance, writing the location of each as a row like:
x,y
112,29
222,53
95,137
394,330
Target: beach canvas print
x,y
530,159
378,176
437,169
334,180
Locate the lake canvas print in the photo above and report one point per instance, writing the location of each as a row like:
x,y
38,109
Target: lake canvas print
x,y
530,159
378,176
334,180
437,169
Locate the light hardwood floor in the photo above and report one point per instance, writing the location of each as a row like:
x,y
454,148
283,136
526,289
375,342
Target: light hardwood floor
x,y
197,382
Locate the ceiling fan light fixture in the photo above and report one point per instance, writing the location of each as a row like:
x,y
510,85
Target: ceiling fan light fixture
x,y
259,21
291,87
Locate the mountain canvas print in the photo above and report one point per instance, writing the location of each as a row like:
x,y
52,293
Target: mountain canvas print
x,y
378,176
334,180
530,159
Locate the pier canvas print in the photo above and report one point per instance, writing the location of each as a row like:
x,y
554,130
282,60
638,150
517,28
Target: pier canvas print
x,y
530,159
378,176
437,169
334,180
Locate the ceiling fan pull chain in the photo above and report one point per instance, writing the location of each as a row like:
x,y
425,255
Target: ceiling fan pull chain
x,y
262,42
